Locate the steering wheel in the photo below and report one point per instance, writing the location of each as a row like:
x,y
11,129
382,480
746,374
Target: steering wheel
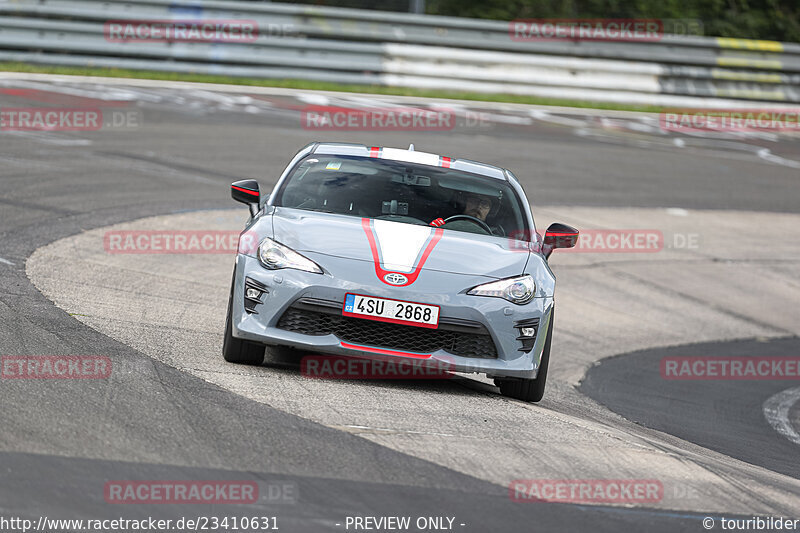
x,y
472,219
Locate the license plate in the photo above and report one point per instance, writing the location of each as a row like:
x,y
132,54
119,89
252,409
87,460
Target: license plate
x,y
386,310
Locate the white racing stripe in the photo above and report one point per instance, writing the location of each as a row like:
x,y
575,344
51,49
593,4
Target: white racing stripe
x,y
776,411
400,244
422,158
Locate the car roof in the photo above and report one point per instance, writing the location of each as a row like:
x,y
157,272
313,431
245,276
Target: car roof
x,y
410,156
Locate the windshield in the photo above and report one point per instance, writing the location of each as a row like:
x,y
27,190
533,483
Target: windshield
x,y
403,192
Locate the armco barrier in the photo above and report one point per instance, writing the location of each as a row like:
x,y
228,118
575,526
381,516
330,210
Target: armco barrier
x,y
397,49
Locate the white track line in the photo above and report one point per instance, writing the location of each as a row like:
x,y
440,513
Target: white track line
x,y
389,430
6,261
767,155
776,411
121,83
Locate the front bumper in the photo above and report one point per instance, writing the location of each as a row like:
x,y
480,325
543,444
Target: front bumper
x,y
284,288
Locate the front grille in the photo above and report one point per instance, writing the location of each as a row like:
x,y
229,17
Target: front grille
x,y
463,338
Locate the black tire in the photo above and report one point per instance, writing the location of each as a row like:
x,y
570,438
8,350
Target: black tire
x,y
240,351
530,390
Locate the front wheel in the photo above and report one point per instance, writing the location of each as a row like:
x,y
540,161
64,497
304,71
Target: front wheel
x,y
240,351
530,390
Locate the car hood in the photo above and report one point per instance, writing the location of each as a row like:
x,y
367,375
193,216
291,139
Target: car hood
x,y
398,247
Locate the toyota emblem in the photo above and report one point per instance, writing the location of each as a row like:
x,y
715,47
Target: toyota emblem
x,y
394,278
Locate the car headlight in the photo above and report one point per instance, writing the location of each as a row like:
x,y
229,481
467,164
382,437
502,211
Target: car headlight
x,y
274,256
518,290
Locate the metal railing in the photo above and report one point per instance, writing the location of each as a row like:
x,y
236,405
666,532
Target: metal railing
x,y
398,49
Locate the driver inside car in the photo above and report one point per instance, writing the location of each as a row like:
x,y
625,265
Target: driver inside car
x,y
476,206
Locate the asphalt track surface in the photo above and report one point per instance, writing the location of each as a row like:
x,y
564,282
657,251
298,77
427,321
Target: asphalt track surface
x,y
631,385
62,440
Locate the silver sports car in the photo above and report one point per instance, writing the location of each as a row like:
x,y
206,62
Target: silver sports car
x,y
368,252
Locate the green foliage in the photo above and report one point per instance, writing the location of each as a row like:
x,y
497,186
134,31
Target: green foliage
x,y
777,20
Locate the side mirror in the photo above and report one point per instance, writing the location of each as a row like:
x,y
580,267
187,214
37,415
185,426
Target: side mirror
x,y
247,192
559,236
